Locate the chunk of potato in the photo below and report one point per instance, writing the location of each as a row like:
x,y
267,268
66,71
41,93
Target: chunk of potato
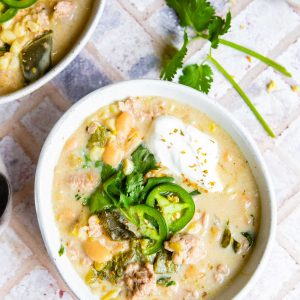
x,y
96,251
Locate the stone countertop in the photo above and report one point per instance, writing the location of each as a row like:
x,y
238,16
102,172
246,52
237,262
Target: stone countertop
x,y
128,44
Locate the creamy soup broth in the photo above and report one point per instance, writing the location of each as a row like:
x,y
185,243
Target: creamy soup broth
x,y
236,207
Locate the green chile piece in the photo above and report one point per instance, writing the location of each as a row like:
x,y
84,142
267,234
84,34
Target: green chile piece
x,y
36,57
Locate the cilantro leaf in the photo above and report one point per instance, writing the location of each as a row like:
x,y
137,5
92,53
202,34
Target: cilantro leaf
x,y
113,186
218,27
134,185
107,171
198,77
176,62
194,13
143,160
61,250
99,201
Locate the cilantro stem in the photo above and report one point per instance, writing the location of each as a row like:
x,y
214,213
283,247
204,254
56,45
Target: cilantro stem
x,y
244,96
262,58
250,52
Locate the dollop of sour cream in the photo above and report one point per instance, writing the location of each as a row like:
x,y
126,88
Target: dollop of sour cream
x,y
185,151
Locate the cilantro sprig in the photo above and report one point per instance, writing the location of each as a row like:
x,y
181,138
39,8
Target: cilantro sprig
x,y
200,16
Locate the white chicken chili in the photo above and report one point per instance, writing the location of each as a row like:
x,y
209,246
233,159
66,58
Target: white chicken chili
x,y
153,200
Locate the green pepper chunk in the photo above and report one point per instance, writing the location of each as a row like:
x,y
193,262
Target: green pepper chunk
x,y
36,57
151,224
175,203
7,14
19,3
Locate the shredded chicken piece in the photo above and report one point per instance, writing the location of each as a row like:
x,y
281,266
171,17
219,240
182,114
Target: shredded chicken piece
x,y
135,107
95,229
191,294
83,182
140,280
92,127
186,248
72,251
64,10
221,272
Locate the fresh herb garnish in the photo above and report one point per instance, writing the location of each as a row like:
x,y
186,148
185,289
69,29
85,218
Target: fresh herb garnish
x,y
226,238
176,62
119,190
200,16
61,250
195,193
81,198
198,77
143,160
165,281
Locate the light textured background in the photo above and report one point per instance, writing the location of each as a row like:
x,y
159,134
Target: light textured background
x,y
128,43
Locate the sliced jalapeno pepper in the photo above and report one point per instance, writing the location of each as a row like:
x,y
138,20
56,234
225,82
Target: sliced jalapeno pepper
x,y
151,224
19,3
175,203
7,14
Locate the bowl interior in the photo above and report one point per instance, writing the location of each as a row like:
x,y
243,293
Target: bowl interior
x,y
81,41
74,117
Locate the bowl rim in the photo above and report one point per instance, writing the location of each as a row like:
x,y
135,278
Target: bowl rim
x,y
79,44
155,83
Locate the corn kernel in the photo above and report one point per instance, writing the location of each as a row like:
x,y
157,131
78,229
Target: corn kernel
x,y
98,266
114,108
295,88
111,294
175,246
5,61
16,47
127,166
7,36
23,40
7,24
33,27
91,276
271,86
14,63
110,124
96,153
19,30
212,127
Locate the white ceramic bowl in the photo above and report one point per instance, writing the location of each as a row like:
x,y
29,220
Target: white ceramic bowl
x,y
74,117
79,44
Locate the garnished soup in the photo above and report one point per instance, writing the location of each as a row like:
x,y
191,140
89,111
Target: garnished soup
x,y
153,200
35,35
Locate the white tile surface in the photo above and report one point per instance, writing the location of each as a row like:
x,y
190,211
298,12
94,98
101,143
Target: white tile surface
x,y
13,253
280,270
41,119
285,176
38,284
251,28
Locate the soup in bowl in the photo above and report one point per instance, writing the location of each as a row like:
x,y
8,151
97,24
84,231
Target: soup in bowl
x,y
153,192
36,36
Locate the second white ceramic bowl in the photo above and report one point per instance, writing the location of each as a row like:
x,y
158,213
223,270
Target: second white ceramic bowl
x,y
74,117
79,44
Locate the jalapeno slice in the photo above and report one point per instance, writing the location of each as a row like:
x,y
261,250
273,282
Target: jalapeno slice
x,y
19,3
175,203
7,14
151,225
